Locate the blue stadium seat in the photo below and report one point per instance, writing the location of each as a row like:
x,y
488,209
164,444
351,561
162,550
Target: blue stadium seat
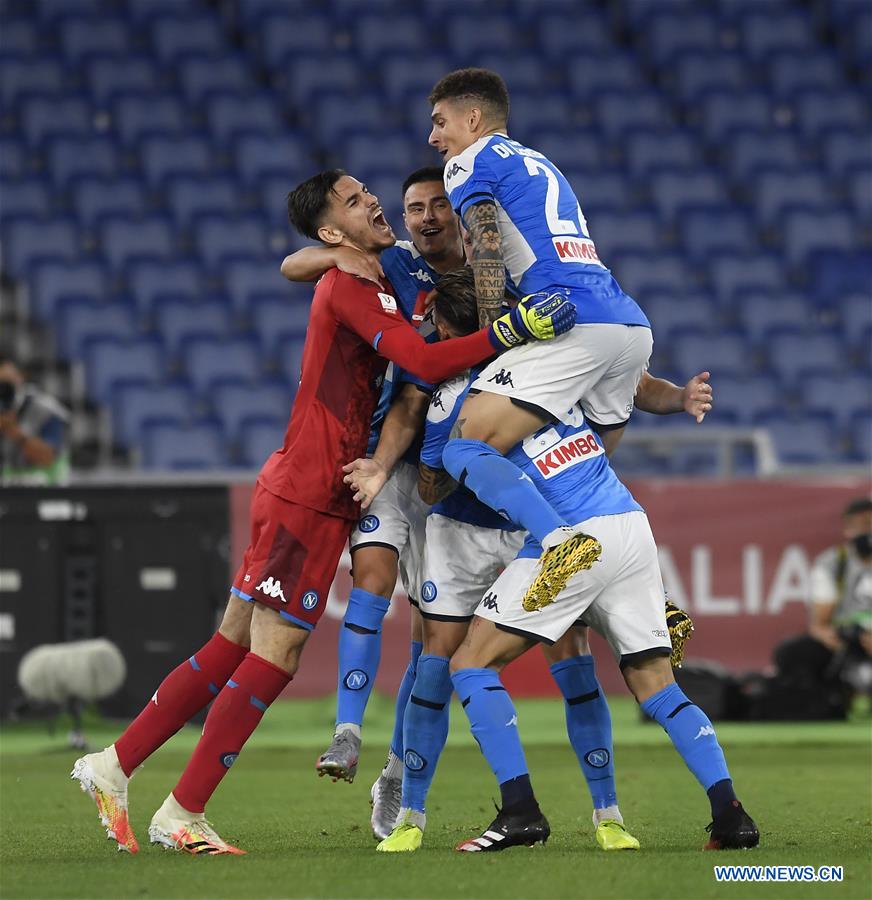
x,y
83,38
647,151
533,112
43,117
70,158
95,198
861,437
763,315
605,70
667,35
767,32
273,194
598,191
245,279
209,362
803,440
135,405
560,39
29,198
367,154
700,71
806,231
109,77
123,240
855,312
175,37
30,76
54,282
860,191
618,112
373,41
637,14
775,192
843,395
262,439
53,10
165,156
229,115
404,75
252,11
14,162
856,41
643,273
571,150
792,355
751,150
284,38
82,320
675,189
790,72
288,156
468,36
671,314
176,448
838,274
202,76
615,233
143,11
179,320
29,240
234,403
339,116
218,238
150,280
744,397
19,38
109,363
714,230
522,72
820,112
275,316
189,197
723,354
135,116
290,358
723,116
734,274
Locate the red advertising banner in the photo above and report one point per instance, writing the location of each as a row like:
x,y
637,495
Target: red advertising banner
x,y
735,554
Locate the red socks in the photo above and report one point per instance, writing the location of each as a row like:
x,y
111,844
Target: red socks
x,y
234,715
182,694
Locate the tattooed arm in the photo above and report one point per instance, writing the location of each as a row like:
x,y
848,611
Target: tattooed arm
x,y
486,260
434,484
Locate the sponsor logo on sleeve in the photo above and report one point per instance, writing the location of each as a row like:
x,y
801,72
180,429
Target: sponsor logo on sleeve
x,y
388,302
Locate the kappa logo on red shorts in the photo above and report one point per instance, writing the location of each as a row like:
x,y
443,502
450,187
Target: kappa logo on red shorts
x,y
272,589
568,453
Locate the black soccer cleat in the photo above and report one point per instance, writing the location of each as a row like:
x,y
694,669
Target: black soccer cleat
x,y
509,830
733,829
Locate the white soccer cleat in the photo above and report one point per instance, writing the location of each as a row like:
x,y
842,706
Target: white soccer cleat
x,y
101,776
175,828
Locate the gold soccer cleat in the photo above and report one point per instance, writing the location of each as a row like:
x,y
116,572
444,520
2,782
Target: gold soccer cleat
x,y
557,565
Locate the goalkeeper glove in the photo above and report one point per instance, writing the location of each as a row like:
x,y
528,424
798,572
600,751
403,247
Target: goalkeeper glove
x,y
680,630
537,317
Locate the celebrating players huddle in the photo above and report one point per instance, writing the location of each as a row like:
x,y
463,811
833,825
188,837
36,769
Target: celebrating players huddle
x,y
456,410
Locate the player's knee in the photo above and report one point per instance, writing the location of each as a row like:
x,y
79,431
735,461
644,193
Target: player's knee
x,y
376,582
648,677
236,623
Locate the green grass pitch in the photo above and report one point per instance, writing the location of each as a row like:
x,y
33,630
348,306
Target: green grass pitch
x,y
808,786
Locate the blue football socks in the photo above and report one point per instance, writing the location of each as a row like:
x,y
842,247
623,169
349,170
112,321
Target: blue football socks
x,y
693,735
425,729
589,726
359,653
494,725
403,698
500,484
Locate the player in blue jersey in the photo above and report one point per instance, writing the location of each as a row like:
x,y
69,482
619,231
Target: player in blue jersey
x,y
528,234
467,546
390,534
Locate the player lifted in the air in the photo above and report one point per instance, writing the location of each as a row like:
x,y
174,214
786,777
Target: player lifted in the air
x,y
528,233
301,516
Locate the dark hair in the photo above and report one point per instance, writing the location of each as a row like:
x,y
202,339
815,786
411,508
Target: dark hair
x,y
474,84
428,173
307,202
858,505
455,301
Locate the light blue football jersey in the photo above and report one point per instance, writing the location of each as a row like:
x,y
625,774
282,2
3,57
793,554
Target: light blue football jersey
x,y
545,240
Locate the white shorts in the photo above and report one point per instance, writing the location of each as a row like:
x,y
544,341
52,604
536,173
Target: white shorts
x,y
620,597
598,366
395,519
460,563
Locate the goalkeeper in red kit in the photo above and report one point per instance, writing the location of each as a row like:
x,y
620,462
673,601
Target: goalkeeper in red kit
x,y
301,517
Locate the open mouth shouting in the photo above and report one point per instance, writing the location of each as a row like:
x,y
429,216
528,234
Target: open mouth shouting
x,y
379,223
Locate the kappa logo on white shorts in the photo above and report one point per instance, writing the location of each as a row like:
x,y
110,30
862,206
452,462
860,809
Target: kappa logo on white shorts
x,y
388,302
703,731
569,452
272,589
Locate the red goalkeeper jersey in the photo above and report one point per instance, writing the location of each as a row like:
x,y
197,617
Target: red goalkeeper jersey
x,y
354,328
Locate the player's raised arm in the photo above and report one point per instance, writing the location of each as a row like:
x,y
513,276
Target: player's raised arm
x,y
310,263
662,397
